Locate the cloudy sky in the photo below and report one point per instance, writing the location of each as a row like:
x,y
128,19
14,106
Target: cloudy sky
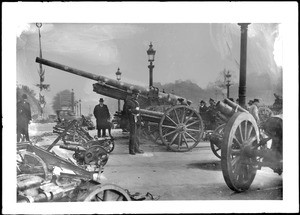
x,y
189,51
190,46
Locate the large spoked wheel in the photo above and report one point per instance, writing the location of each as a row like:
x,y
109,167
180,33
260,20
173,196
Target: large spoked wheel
x,y
216,140
31,164
238,160
181,128
264,113
107,192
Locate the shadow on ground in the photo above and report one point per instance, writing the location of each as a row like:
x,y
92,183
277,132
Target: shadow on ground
x,y
206,165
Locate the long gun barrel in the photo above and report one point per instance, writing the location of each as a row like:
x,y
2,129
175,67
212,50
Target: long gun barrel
x,y
88,75
117,89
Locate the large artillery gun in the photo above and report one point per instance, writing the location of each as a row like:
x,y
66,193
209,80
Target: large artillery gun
x,y
247,147
166,117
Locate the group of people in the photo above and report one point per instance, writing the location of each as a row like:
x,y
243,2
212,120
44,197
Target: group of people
x,y
207,111
131,111
101,113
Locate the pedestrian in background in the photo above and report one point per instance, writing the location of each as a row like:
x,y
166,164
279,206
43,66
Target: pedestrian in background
x,y
23,119
250,102
254,110
202,107
102,116
132,112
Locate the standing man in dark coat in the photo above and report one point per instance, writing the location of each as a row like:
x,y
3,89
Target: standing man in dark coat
x,y
132,112
23,118
102,116
202,107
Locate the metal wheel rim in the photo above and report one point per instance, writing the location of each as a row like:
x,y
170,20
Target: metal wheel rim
x,y
180,125
107,192
39,165
237,166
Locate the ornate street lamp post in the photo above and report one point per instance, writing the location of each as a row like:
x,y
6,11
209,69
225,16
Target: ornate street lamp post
x,y
118,74
72,101
227,80
41,73
151,55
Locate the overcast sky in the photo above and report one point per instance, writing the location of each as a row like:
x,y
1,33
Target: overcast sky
x,y
195,52
190,51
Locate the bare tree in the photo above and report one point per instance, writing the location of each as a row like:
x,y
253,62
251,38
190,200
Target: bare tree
x,y
62,99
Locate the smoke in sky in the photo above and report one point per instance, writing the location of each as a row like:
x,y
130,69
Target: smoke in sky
x,y
264,47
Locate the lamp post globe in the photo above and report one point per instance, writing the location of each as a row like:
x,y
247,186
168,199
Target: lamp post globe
x,y
39,25
151,54
118,74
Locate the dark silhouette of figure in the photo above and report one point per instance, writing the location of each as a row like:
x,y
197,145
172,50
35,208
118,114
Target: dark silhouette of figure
x,y
202,107
102,116
132,112
23,119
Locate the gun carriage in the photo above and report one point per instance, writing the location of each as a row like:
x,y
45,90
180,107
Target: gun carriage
x,y
165,117
214,123
44,176
247,146
72,133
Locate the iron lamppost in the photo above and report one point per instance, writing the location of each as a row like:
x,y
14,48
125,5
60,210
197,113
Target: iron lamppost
x,y
118,74
243,64
41,73
227,80
151,55
79,107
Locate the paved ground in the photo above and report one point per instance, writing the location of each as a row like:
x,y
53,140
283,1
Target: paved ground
x,y
194,175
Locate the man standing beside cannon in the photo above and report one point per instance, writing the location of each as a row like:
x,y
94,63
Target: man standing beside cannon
x,y
132,112
102,116
253,109
23,118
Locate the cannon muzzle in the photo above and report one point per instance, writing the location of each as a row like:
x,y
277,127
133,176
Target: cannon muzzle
x,y
228,108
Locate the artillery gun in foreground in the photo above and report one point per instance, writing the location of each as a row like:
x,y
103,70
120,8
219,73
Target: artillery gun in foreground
x,y
247,146
166,117
45,176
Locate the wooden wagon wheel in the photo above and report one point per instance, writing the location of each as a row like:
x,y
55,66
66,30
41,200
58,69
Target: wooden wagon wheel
x,y
30,163
181,128
264,113
107,192
238,160
216,140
